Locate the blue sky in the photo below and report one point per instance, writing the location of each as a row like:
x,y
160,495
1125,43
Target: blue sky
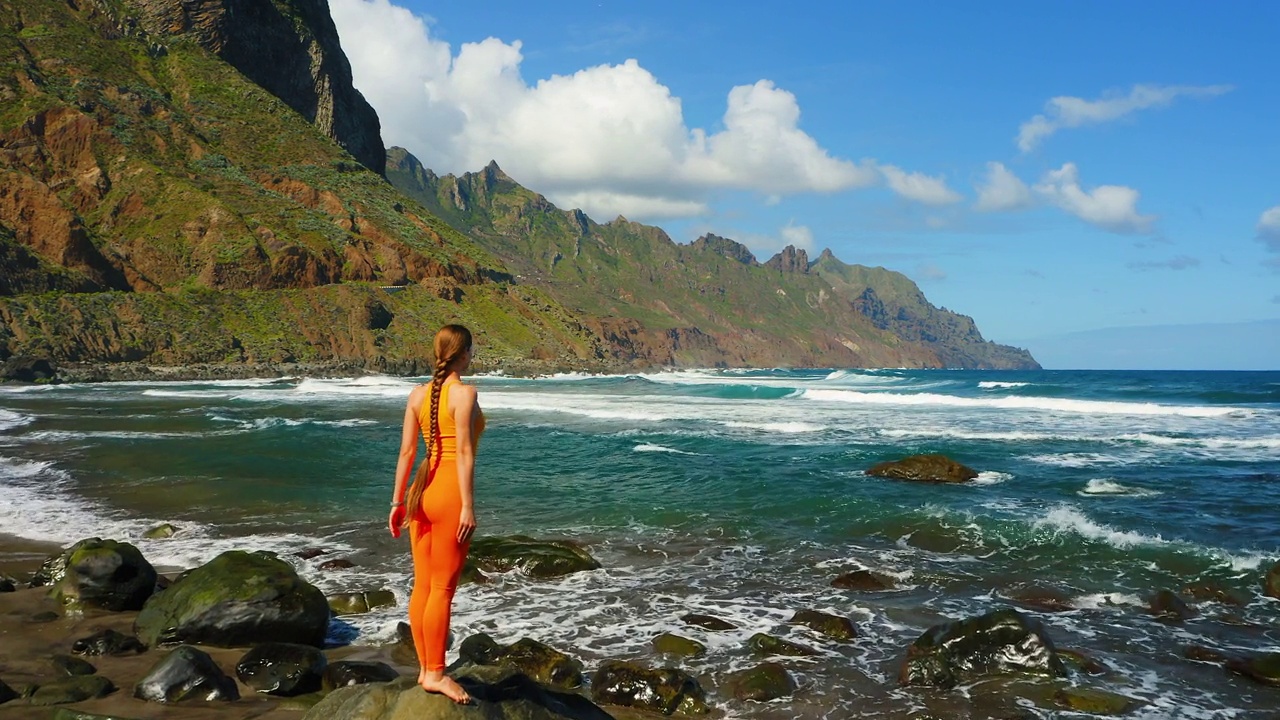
x,y
1139,197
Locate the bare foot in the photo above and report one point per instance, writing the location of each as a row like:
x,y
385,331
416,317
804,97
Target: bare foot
x,y
446,686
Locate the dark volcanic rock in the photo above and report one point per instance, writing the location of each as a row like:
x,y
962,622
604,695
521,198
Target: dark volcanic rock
x,y
187,673
337,564
27,369
236,599
108,642
833,626
1264,669
1082,662
69,666
282,669
999,642
1271,584
762,683
862,580
540,662
7,693
708,622
1093,701
763,644
1168,607
103,574
346,673
289,48
927,468
1212,592
497,694
540,559
665,690
8,584
1042,598
1199,653
72,690
160,532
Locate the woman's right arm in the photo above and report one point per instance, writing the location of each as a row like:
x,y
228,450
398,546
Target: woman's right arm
x,y
409,432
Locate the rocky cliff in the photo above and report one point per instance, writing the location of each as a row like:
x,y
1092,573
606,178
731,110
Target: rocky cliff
x,y
706,303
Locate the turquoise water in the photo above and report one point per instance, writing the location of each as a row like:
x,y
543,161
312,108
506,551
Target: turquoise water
x,y
737,493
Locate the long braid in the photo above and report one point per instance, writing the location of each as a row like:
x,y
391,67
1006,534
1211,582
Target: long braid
x,y
434,440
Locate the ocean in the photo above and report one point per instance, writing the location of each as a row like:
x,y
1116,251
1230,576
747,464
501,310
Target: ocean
x,y
740,494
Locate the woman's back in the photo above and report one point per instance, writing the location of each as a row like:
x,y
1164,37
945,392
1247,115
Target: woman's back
x,y
447,447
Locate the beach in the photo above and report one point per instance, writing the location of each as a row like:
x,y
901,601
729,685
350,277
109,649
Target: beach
x,y
737,494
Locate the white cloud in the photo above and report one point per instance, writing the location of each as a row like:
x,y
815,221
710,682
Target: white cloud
x,y
1002,190
919,187
1269,228
798,235
1111,207
931,272
610,138
1070,112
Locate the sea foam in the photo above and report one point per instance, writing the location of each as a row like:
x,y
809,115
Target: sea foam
x,y
1093,407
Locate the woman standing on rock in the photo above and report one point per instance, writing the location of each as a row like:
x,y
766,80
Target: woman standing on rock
x,y
438,509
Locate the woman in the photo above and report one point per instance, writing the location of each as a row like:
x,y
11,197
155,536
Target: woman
x,y
438,509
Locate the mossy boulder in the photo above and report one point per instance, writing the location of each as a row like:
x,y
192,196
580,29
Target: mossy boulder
x,y
496,694
104,574
1000,642
186,673
541,662
1264,669
68,666
664,690
1168,607
540,559
357,603
1093,701
72,690
1082,662
1271,583
762,683
763,644
235,600
671,644
346,673
284,669
862,580
833,626
708,622
160,532
924,468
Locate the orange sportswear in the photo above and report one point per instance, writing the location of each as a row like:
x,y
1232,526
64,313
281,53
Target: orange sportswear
x,y
433,532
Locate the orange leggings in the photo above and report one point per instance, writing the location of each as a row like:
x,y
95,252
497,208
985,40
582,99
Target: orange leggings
x,y
437,563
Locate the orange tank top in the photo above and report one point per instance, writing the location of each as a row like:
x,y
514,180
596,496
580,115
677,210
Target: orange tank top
x,y
448,441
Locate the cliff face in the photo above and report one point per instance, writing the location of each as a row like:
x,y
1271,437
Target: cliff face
x,y
288,47
703,304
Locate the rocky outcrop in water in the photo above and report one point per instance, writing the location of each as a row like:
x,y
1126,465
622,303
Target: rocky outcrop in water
x,y
664,690
1000,642
283,669
540,662
926,468
236,600
540,559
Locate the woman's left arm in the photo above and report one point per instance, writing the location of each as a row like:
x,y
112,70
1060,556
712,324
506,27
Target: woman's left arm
x,y
464,405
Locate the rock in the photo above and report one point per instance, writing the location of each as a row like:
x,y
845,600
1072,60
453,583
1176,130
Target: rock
x,y
926,468
1042,598
861,580
540,559
44,616
235,600
103,574
360,602
763,644
497,694
403,650
8,584
669,644
69,714
72,690
310,553
7,693
1082,662
999,642
337,564
108,642
762,683
284,669
1264,669
28,369
1271,584
1093,702
69,666
833,626
1212,592
1200,653
664,690
186,673
346,673
1168,607
160,532
540,662
708,622
50,571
